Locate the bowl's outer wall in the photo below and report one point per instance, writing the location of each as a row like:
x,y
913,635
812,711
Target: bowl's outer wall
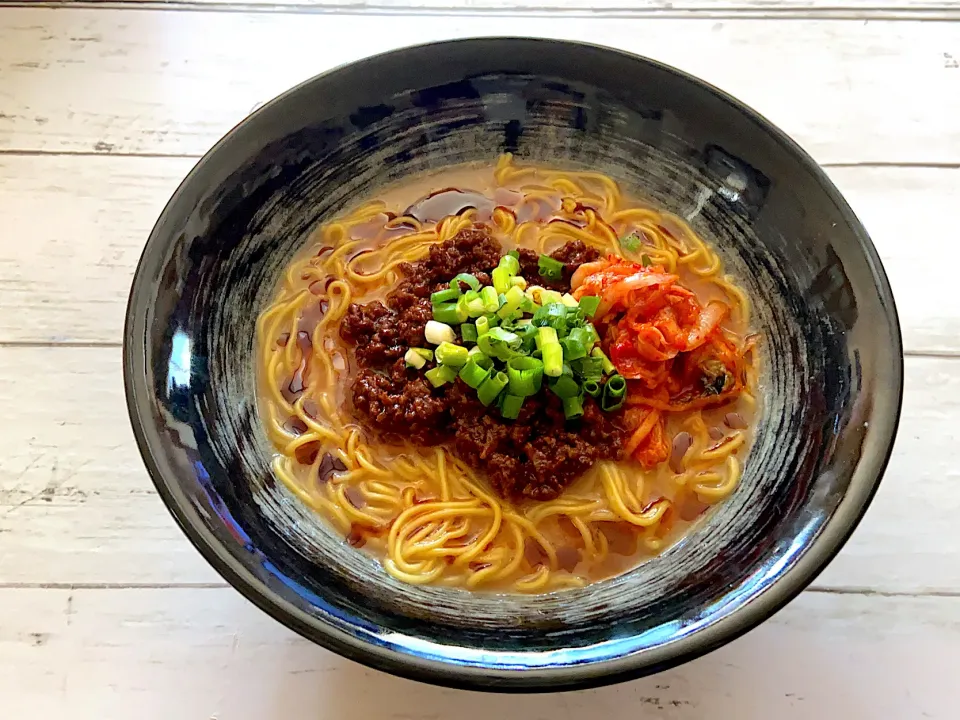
x,y
831,351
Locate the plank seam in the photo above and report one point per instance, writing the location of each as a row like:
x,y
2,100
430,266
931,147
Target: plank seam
x,y
940,13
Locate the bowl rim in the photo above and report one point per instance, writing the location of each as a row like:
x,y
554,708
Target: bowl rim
x,y
817,555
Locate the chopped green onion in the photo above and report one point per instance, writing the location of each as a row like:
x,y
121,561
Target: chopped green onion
x,y
573,349
491,300
449,313
463,308
512,300
646,261
546,336
510,263
608,367
552,359
491,387
535,293
565,386
589,368
592,388
467,279
452,355
477,355
549,297
441,375
424,353
501,279
510,406
514,254
550,268
594,335
583,336
442,296
572,407
414,359
518,282
529,306
589,304
552,314
631,242
483,325
525,375
475,307
569,300
468,332
511,339
473,374
438,332
614,393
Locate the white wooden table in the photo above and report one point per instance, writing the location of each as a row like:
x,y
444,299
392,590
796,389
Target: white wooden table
x,y
107,612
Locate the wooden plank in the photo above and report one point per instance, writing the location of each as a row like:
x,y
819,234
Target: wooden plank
x,y
173,82
95,213
76,505
95,654
778,7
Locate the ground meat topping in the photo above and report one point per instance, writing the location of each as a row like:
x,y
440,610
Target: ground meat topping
x,y
572,255
535,456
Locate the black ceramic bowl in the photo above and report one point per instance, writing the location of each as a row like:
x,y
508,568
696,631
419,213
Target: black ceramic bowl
x,y
831,384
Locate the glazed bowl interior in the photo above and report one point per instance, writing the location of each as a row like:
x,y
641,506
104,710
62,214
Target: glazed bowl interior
x,y
830,384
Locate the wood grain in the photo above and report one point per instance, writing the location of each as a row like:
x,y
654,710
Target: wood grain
x,y
77,507
199,654
87,219
161,82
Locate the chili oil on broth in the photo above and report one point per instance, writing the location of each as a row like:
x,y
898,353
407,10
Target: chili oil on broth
x,y
424,514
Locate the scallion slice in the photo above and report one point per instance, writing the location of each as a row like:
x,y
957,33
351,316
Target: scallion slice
x,y
442,296
589,304
572,407
592,388
436,332
501,279
449,313
525,375
565,386
510,263
468,332
614,393
413,359
440,375
573,349
550,268
481,359
608,368
491,299
512,300
473,374
491,387
589,368
510,406
468,280
452,355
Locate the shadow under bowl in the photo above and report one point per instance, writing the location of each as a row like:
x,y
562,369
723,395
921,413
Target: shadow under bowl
x,y
831,384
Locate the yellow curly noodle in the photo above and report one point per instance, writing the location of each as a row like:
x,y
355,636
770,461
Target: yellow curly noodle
x,y
423,512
